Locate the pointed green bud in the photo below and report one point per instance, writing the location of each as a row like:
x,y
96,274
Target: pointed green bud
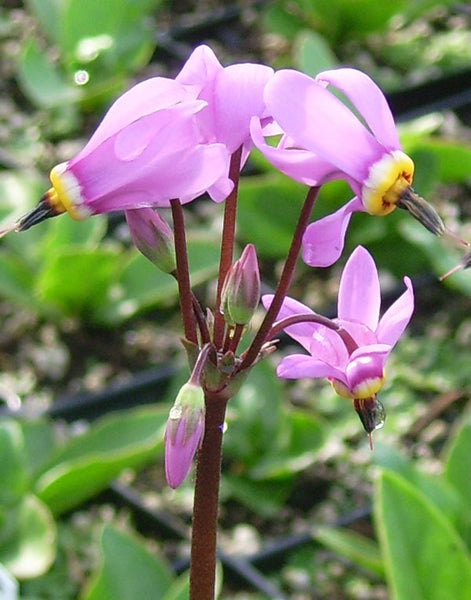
x,y
152,237
184,432
241,290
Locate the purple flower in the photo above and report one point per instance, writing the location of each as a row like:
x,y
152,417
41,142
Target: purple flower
x,y
325,140
184,433
355,369
162,139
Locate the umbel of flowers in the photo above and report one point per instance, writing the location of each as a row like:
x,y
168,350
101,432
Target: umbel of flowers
x,y
166,142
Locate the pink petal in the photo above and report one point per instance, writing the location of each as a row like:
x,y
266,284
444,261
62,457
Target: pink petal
x,y
365,369
179,453
327,346
323,343
396,318
142,99
237,97
200,67
359,294
319,122
324,239
380,350
369,100
301,165
296,366
301,333
360,332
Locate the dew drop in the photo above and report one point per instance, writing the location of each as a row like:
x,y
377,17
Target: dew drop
x,y
380,415
81,77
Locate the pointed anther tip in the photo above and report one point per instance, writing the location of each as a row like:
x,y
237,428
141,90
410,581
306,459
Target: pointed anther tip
x,y
422,211
42,211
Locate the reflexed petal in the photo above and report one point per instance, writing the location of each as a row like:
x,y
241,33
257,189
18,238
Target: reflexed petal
x,y
319,122
200,67
142,99
303,365
359,294
369,100
396,318
237,97
153,183
324,239
301,165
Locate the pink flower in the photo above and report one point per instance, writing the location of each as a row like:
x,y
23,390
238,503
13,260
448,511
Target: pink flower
x,y
324,140
357,371
162,139
233,94
184,433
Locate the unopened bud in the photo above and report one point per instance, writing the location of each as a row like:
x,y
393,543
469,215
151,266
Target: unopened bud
x,y
152,237
241,290
421,210
184,433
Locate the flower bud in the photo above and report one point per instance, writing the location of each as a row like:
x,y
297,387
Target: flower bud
x,y
152,237
184,433
241,290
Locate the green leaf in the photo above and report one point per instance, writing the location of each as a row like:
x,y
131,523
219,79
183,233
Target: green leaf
x,y
142,286
357,548
256,423
312,53
48,13
42,82
105,37
39,444
440,260
457,462
32,549
299,448
265,498
435,488
86,464
180,588
129,571
77,280
16,280
65,232
269,209
424,556
452,159
13,475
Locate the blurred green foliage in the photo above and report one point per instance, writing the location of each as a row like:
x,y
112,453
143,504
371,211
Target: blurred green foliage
x,y
75,60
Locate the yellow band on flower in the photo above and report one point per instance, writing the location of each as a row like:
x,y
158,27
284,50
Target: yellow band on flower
x,y
65,193
387,181
365,389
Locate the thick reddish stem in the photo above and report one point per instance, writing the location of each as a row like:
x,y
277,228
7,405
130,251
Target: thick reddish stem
x,y
206,502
